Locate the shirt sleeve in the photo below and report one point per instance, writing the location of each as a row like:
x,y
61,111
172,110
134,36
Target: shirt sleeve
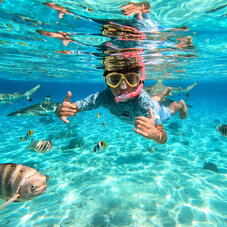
x,y
92,101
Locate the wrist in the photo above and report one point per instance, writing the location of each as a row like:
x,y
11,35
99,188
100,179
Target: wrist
x,y
160,136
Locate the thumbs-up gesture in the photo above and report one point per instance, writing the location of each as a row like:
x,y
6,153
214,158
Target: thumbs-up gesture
x,y
147,128
66,109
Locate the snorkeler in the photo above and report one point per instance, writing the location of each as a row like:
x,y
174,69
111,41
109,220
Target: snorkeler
x,y
125,98
125,75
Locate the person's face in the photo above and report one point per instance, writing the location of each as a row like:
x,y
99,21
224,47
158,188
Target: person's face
x,y
123,84
122,88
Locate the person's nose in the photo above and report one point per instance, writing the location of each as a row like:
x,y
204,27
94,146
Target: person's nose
x,y
123,84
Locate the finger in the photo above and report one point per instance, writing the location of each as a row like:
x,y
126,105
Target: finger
x,y
68,97
126,6
142,118
140,132
65,42
141,123
151,113
64,119
129,9
139,16
142,128
130,13
67,106
68,113
60,15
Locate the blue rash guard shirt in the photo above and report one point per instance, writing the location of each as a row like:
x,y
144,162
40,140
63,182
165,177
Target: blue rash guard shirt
x,y
126,111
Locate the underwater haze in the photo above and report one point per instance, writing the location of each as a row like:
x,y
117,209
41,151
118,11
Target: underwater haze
x,y
132,181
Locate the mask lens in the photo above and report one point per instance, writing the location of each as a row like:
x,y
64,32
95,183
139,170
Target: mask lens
x,y
132,78
113,79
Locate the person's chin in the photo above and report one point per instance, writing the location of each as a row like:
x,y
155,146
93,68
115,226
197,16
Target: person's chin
x,y
125,100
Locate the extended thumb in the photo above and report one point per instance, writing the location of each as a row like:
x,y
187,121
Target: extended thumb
x,y
68,97
139,16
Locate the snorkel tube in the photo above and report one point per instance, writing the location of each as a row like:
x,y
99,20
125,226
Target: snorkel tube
x,y
125,97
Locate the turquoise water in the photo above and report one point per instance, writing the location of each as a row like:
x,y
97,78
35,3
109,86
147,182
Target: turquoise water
x,y
133,181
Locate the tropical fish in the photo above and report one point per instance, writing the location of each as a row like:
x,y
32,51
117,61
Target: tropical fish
x,y
22,44
99,146
104,124
88,9
9,98
41,146
42,109
99,114
159,87
222,129
28,134
19,183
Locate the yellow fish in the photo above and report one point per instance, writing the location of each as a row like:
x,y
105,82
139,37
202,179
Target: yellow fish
x,y
99,114
22,43
88,9
28,134
99,146
104,124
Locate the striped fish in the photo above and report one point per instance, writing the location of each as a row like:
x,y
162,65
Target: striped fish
x,y
222,129
28,134
99,146
20,183
41,145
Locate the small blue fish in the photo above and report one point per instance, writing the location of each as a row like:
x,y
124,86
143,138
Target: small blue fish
x,y
99,146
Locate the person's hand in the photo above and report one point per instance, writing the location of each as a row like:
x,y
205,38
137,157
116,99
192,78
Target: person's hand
x,y
65,38
61,10
138,8
146,126
66,109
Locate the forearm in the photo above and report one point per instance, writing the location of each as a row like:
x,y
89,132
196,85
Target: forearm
x,y
91,102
